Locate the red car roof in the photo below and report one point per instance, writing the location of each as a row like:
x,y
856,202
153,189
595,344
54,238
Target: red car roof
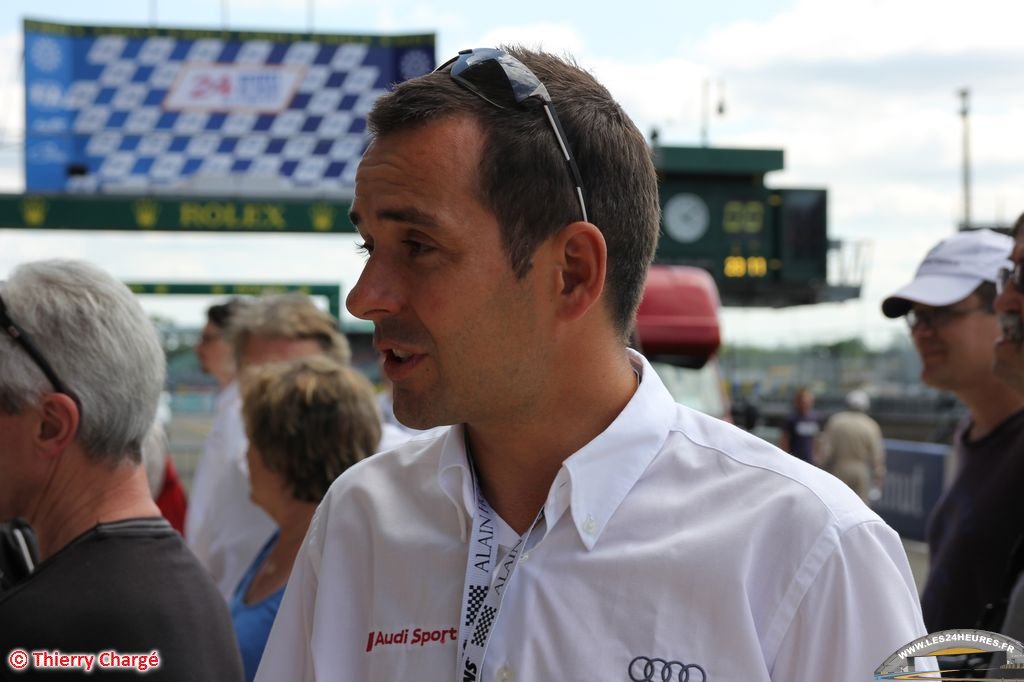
x,y
678,314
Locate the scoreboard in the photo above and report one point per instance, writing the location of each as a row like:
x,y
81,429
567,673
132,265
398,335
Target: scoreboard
x,y
762,246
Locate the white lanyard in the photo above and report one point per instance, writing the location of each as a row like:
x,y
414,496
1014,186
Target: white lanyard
x,y
482,593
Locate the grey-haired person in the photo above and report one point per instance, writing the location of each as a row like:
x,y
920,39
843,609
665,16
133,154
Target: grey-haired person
x,y
224,527
81,369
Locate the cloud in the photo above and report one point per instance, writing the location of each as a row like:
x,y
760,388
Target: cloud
x,y
816,31
552,37
654,93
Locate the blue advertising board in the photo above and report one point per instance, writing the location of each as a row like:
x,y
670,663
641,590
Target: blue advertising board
x,y
123,109
914,478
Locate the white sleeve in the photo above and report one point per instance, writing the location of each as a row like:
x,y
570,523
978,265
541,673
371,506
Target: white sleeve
x,y
859,609
289,654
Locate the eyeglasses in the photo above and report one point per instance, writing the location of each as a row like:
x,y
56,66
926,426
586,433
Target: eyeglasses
x,y
939,317
21,338
476,70
1014,275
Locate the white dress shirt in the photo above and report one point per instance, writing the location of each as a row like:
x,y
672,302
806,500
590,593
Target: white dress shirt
x,y
671,536
223,527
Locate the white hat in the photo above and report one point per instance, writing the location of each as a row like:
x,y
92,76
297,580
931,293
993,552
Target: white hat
x,y
858,400
953,269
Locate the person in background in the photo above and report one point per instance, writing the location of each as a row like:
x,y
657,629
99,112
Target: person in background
x,y
162,476
850,448
307,420
972,530
746,412
222,525
229,529
574,521
801,427
269,328
81,370
1009,304
1009,368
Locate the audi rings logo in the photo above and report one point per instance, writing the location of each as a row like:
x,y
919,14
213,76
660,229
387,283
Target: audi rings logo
x,y
644,669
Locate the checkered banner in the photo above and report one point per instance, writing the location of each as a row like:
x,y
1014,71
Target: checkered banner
x,y
201,112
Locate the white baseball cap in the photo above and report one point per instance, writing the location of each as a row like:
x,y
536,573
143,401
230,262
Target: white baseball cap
x,y
953,269
858,399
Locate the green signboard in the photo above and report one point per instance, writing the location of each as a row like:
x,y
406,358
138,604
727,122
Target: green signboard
x,y
764,246
158,214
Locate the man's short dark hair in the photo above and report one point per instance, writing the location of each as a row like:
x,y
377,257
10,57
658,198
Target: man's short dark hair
x,y
523,176
1018,226
220,314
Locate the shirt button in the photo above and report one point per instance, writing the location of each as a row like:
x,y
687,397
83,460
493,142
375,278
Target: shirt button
x,y
504,674
524,556
589,526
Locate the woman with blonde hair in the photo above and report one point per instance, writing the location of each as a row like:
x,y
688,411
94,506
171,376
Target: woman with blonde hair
x,y
307,421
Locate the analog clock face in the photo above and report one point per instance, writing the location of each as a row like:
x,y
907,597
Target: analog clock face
x,y
686,218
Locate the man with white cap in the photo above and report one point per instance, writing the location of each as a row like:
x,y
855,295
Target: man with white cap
x,y
972,530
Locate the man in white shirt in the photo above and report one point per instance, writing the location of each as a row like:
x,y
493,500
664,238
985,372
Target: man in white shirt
x,y
576,523
224,528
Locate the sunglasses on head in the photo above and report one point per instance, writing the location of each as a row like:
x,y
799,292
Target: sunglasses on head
x,y
500,79
18,335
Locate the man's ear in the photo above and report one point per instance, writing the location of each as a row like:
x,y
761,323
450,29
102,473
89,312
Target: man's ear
x,y
58,424
583,258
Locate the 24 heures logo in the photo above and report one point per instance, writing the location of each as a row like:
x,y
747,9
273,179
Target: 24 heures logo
x,y
960,652
411,636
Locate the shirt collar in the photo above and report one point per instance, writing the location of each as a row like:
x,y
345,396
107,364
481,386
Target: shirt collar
x,y
594,480
455,477
229,392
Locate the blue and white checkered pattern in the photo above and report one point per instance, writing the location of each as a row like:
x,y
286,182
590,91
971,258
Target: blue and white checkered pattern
x,y
110,117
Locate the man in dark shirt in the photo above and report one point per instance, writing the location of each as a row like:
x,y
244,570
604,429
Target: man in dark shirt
x,y
801,427
116,592
972,530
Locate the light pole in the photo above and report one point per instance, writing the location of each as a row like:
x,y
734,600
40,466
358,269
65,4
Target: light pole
x,y
705,113
965,99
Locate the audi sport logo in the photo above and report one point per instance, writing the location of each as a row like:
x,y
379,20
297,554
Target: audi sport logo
x,y
644,669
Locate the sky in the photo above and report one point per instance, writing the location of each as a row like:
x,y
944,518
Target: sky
x,y
862,98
